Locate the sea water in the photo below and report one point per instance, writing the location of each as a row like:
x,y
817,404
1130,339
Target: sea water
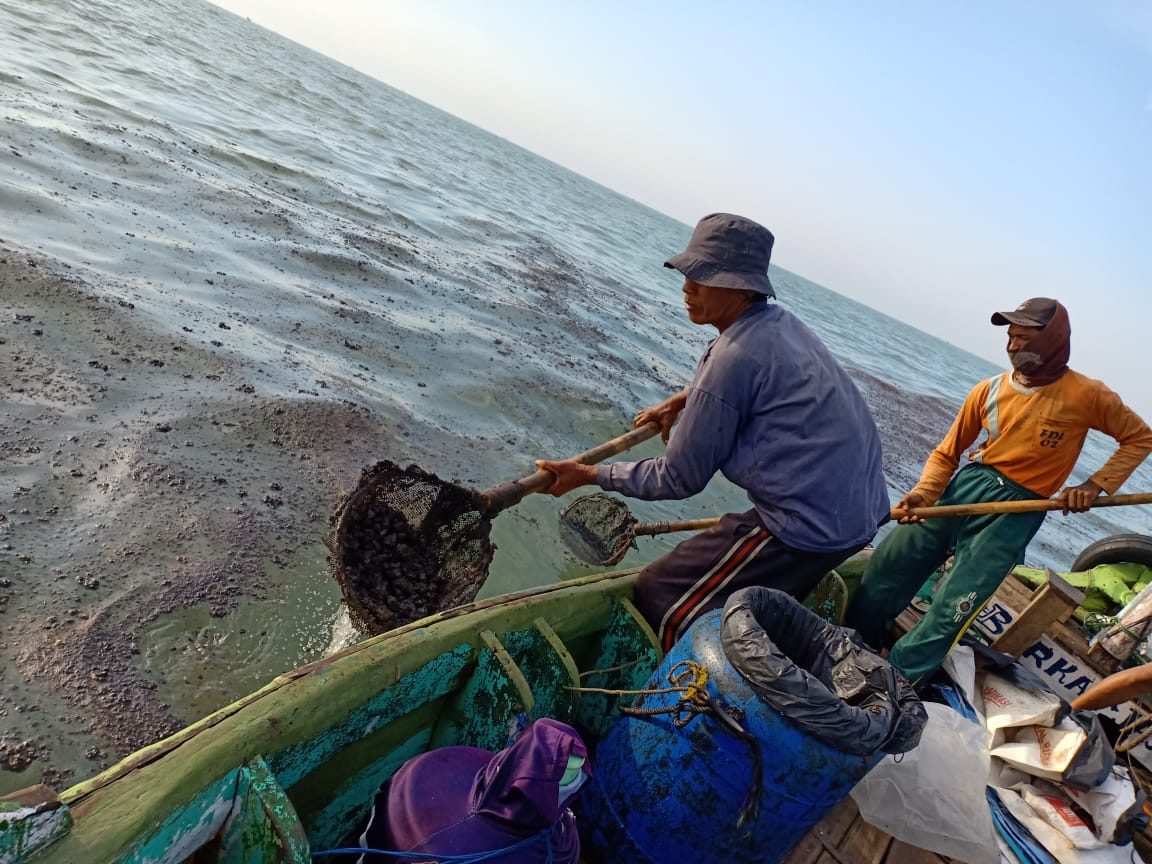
x,y
365,249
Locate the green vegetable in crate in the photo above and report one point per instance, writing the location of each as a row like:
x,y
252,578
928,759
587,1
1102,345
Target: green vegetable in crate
x,y
1107,587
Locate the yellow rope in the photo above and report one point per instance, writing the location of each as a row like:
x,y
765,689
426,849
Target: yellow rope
x,y
619,668
609,692
691,679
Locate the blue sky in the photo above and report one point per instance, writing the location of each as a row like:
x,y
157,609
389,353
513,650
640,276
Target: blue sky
x,y
936,161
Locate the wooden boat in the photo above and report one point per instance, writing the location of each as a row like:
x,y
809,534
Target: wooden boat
x,y
292,768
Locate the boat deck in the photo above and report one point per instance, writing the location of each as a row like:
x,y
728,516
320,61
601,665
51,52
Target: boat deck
x,y
842,837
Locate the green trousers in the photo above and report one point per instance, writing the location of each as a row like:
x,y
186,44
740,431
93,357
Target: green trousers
x,y
986,549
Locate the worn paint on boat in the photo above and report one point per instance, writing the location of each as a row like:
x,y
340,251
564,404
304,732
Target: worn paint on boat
x,y
293,767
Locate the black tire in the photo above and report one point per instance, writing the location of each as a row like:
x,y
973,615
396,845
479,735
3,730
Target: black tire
x,y
1117,549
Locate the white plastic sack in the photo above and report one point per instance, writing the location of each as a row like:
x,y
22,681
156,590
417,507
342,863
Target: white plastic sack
x,y
1056,843
1108,803
1055,809
1040,751
1006,705
934,796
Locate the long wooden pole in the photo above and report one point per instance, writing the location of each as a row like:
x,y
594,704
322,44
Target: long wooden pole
x,y
498,498
1034,506
939,512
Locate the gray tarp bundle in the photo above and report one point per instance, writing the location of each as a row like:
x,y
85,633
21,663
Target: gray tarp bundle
x,y
820,676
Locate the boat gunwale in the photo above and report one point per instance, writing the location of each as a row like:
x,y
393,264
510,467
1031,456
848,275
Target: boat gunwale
x,y
76,794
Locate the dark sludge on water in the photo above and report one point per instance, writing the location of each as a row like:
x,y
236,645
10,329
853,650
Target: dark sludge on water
x,y
405,544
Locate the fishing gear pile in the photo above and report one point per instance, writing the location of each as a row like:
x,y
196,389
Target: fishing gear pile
x,y
598,528
405,544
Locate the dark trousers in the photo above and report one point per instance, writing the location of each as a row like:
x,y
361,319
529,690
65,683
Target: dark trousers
x,y
702,572
986,549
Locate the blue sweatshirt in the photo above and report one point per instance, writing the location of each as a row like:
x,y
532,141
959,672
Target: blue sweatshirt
x,y
773,411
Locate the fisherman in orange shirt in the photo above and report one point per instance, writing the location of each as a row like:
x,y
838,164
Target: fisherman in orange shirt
x,y
1036,417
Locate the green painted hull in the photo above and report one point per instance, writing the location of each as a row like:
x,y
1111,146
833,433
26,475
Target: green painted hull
x,y
293,767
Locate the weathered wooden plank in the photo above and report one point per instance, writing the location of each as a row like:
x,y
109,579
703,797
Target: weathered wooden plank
x,y
30,819
1050,605
829,831
340,792
548,668
1016,594
820,848
628,655
829,599
901,853
432,681
263,827
864,843
491,705
173,838
330,826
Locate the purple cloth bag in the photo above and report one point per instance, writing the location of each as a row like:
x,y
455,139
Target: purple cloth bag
x,y
462,800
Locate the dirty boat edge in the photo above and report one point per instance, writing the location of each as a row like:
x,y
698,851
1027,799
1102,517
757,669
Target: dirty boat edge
x,y
286,763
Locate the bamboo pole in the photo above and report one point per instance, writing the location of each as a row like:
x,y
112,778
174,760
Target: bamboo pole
x,y
942,511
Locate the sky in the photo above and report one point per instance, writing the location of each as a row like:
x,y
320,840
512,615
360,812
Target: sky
x,y
936,161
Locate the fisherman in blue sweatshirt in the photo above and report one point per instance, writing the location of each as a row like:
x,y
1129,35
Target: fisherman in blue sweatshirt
x,y
772,410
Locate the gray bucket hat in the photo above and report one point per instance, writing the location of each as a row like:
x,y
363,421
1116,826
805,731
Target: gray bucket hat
x,y
727,251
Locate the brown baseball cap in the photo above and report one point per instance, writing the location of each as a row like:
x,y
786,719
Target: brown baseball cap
x,y
1036,312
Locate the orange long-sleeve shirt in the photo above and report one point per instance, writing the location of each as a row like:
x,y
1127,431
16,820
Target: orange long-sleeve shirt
x,y
1034,435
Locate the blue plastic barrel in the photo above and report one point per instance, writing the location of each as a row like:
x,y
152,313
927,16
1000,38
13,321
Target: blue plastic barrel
x,y
667,794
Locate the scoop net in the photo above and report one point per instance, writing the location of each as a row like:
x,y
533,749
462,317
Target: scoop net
x,y
598,529
405,544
